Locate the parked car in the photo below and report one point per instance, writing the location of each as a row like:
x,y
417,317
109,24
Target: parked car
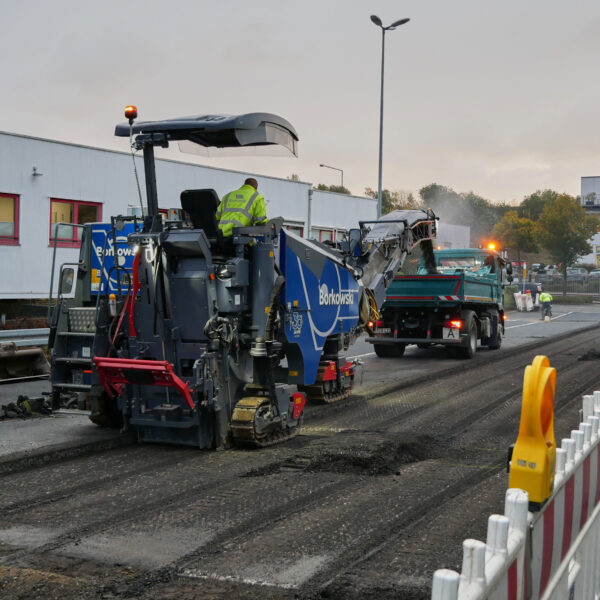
x,y
577,274
594,274
547,273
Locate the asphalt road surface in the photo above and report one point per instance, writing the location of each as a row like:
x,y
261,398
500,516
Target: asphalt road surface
x,y
376,493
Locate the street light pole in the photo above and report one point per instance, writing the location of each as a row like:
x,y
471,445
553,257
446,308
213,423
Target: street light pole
x,y
380,175
335,169
391,27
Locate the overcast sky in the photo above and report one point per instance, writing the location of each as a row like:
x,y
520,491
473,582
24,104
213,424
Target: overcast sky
x,y
501,98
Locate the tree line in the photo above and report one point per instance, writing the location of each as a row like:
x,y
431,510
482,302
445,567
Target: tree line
x,y
545,219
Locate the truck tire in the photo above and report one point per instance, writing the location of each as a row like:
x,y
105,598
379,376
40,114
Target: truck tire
x,y
389,350
495,340
470,349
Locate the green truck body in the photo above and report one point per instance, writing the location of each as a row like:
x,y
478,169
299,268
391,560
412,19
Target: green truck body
x,y
456,306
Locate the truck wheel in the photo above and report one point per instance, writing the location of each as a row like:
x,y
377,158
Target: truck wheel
x,y
495,340
389,350
470,349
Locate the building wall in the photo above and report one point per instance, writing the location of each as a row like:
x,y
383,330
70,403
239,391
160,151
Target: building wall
x,y
74,172
339,212
590,200
590,194
594,257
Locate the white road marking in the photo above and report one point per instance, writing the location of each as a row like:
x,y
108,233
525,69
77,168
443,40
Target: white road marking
x,y
538,322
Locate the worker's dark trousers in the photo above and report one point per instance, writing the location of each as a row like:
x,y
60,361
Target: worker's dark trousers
x,y
546,309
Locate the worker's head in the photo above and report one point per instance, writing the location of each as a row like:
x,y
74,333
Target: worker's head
x,y
251,181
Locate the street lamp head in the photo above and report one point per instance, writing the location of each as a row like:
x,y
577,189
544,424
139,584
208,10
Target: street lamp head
x,y
376,20
398,23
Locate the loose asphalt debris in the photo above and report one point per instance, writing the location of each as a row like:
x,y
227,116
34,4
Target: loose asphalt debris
x,y
26,407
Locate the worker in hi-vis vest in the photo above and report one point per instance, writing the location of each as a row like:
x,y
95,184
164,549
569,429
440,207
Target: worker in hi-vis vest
x,y
241,208
546,302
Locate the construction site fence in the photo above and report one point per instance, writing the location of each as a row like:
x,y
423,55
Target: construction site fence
x,y
585,288
550,554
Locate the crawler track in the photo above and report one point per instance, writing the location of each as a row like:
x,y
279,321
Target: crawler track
x,y
366,502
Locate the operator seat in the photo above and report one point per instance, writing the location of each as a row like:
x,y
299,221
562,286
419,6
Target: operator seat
x,y
201,206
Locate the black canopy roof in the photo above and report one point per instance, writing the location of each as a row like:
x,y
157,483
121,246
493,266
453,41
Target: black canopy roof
x,y
221,131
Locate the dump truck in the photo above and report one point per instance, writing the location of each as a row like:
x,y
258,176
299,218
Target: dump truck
x,y
456,302
210,341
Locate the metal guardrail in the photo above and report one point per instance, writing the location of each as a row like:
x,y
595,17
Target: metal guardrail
x,y
24,338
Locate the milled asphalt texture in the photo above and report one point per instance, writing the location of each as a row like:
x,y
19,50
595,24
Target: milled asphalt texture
x,y
37,440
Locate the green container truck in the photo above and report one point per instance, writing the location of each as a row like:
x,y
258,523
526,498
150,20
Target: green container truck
x,y
456,304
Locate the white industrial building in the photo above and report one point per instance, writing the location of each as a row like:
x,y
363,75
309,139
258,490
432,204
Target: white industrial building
x,y
590,200
590,195
45,182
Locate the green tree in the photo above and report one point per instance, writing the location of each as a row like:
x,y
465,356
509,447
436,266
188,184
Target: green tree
x,y
394,200
338,189
516,233
533,205
564,230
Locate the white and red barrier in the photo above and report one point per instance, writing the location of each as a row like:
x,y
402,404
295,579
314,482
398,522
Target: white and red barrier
x,y
524,302
579,574
494,570
546,555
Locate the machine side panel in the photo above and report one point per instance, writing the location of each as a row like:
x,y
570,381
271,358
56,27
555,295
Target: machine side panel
x,y
320,297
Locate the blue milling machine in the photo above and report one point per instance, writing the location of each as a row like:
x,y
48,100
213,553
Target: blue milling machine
x,y
208,341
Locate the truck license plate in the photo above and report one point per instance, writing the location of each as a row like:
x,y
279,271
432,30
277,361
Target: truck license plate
x,y
383,330
450,333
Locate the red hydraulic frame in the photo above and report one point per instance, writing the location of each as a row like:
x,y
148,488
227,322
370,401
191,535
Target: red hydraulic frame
x,y
116,372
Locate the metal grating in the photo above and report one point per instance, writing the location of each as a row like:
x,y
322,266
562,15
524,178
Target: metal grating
x,y
82,319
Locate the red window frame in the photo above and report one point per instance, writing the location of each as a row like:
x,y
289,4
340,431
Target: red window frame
x,y
321,230
291,227
332,231
74,241
12,240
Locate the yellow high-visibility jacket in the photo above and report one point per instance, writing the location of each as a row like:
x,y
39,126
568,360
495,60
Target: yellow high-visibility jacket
x,y
241,208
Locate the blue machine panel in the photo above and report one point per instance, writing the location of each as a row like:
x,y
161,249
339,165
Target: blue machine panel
x,y
321,297
103,246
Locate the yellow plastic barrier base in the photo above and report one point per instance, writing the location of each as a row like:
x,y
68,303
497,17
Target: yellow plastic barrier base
x,y
534,455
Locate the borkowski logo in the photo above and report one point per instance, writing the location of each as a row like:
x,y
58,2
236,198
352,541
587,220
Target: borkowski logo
x,y
110,251
327,298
